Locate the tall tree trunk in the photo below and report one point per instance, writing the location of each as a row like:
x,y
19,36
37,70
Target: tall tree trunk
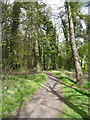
x,y
14,32
37,56
79,75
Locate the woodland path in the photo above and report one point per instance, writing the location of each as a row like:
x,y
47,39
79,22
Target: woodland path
x,y
46,103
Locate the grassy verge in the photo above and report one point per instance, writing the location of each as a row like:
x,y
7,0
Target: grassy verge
x,y
18,88
76,100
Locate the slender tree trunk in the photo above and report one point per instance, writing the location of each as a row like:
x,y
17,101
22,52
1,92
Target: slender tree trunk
x,y
44,61
79,75
37,56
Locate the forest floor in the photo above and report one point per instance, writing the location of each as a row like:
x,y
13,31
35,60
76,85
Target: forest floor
x,y
55,96
45,103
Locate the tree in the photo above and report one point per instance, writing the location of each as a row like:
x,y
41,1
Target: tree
x,y
79,75
14,34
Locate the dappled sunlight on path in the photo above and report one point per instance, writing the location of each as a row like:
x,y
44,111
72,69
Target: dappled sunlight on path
x,y
44,104
49,102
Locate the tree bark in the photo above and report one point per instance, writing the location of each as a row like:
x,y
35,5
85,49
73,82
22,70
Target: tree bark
x,y
79,74
37,56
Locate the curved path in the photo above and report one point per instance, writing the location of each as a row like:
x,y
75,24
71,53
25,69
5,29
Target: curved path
x,y
45,103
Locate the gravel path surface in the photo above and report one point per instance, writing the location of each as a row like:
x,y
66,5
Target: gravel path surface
x,y
45,103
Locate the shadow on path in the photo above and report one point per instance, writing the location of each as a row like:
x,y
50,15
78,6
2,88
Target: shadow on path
x,y
47,102
81,112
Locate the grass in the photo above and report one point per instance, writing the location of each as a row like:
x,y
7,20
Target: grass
x,y
17,89
76,100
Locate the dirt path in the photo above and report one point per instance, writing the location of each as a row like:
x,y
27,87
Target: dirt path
x,y
45,103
